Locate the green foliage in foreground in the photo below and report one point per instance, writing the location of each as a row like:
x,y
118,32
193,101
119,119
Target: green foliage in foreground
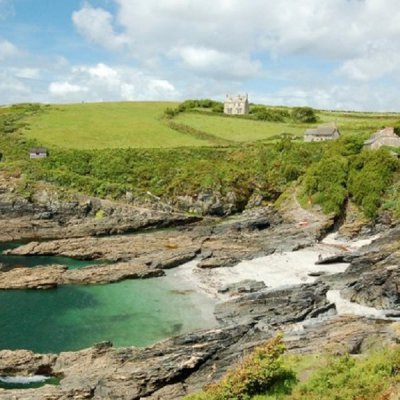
x,y
349,378
366,377
258,372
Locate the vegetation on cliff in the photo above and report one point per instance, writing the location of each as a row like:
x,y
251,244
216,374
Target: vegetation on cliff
x,y
234,160
267,374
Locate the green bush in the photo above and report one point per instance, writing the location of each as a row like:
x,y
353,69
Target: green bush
x,y
326,183
262,113
371,176
348,378
257,373
303,114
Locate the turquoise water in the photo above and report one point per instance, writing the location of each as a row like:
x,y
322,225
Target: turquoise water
x,y
135,312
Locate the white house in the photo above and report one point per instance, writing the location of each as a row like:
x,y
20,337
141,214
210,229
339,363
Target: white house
x,y
236,105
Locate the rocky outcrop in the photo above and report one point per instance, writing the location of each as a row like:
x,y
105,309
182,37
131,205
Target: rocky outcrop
x,y
52,214
51,276
181,365
379,288
276,306
251,234
244,286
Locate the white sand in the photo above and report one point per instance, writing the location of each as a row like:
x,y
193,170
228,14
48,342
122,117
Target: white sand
x,y
333,240
279,270
275,270
344,306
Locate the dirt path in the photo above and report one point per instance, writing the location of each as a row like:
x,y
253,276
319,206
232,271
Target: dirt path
x,y
295,213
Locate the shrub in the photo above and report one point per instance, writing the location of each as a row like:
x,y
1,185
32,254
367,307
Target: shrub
x,y
257,373
262,113
371,175
348,378
303,114
326,183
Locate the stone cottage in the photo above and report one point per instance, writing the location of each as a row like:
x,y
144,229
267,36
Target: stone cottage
x,y
236,105
384,137
322,133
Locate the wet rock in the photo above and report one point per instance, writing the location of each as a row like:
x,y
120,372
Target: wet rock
x,y
378,288
274,306
244,286
176,259
217,262
337,258
32,278
51,276
25,363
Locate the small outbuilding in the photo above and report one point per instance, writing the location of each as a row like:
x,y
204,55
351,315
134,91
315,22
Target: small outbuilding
x,y
322,133
38,152
384,137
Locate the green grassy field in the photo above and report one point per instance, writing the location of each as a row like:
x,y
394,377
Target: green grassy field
x,y
359,123
243,130
106,125
141,125
237,129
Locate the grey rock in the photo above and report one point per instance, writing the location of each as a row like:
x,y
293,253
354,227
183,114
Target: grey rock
x,y
244,286
274,306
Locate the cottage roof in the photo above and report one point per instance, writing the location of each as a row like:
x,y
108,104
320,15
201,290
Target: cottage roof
x,y
38,150
322,130
387,132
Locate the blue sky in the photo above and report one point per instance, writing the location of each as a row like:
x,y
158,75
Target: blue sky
x,y
332,54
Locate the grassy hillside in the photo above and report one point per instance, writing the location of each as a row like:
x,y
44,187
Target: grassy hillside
x,y
111,149
143,125
351,123
237,129
247,130
106,125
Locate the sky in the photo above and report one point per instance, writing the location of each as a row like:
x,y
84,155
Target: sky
x,y
328,54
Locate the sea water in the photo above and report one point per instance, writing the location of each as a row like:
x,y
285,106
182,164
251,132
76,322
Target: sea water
x,y
128,313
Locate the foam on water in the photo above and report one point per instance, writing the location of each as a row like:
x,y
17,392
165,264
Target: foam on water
x,y
24,380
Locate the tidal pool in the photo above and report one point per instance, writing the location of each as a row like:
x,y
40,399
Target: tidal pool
x,y
33,261
129,313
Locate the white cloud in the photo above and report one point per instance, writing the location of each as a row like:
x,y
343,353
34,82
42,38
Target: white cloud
x,y
377,62
102,82
96,25
217,36
65,89
13,90
215,62
8,50
27,73
326,53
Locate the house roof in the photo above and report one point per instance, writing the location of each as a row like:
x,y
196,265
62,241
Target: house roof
x,y
38,150
235,98
323,130
387,132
